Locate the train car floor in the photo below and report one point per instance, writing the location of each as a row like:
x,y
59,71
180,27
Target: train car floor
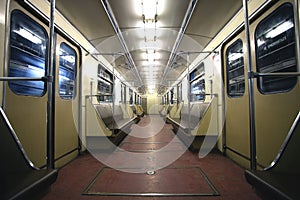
x,y
151,163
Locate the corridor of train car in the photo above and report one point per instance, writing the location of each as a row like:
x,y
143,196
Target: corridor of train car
x,y
149,99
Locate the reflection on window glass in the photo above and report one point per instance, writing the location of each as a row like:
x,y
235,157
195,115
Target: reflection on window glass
x,y
275,50
67,72
28,50
235,69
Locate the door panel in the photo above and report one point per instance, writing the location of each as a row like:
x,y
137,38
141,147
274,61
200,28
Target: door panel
x,y
26,102
66,101
277,103
276,100
236,101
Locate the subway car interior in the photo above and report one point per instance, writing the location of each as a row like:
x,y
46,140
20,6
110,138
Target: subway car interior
x,y
149,99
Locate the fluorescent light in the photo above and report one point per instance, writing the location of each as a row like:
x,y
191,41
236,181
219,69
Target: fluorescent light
x,y
280,29
28,35
151,57
149,8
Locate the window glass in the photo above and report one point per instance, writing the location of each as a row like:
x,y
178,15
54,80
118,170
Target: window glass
x,y
105,84
123,93
198,89
168,98
179,92
275,50
197,82
172,96
67,72
28,51
130,96
235,69
135,98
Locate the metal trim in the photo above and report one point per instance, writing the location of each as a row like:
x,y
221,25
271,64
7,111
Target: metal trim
x,y
15,137
239,154
236,152
66,154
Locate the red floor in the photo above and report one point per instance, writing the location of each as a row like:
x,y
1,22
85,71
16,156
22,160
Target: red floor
x,y
212,177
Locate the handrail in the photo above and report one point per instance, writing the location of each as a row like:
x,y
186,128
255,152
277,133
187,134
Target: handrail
x,y
44,78
283,74
285,143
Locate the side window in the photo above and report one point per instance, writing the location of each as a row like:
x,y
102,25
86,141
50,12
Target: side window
x,y
179,92
235,69
67,71
105,84
135,98
172,96
123,93
197,82
130,96
275,50
28,51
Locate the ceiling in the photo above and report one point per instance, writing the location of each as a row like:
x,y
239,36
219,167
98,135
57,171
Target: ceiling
x,y
149,51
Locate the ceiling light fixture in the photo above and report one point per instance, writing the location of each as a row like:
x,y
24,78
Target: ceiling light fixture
x,y
149,9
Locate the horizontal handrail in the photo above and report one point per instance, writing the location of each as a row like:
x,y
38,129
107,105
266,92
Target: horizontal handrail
x,y
207,94
256,74
97,95
44,78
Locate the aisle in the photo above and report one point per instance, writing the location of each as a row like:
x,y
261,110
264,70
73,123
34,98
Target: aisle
x,y
150,156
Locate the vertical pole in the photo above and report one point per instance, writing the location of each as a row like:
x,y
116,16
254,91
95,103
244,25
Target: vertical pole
x,y
189,92
113,87
51,91
251,92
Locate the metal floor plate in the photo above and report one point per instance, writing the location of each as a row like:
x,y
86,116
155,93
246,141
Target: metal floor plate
x,y
181,181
